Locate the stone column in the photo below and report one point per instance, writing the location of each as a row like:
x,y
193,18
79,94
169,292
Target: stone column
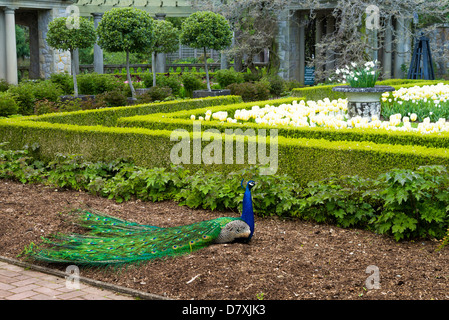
x,y
98,51
2,46
160,58
34,48
11,54
282,41
387,50
330,28
302,47
403,47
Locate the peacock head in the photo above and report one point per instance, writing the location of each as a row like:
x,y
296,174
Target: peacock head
x,y
251,184
236,230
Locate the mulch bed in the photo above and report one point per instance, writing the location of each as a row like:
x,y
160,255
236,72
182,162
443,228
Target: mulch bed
x,y
286,259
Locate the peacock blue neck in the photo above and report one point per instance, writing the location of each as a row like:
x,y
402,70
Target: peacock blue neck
x,y
247,210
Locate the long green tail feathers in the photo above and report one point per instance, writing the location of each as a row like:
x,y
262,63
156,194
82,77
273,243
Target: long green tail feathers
x,y
113,241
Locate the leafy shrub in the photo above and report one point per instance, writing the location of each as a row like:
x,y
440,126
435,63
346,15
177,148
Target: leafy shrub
x,y
27,93
64,81
251,91
159,93
415,202
114,98
292,84
277,85
225,77
191,82
94,83
8,105
4,85
163,80
44,106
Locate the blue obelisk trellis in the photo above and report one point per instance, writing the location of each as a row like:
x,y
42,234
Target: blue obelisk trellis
x,y
421,66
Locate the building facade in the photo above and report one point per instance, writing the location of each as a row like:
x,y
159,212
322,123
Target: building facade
x,y
293,35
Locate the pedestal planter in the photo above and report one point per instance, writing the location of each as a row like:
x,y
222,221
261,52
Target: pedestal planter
x,y
80,97
141,91
364,102
213,93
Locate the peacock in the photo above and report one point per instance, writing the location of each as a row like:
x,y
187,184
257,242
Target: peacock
x,y
113,241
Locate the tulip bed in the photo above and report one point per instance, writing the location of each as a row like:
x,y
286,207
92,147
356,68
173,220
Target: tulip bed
x,y
305,152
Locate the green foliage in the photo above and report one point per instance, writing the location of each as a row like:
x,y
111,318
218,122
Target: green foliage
x,y
406,204
114,98
166,37
94,83
338,201
205,29
64,80
277,85
162,80
8,105
126,30
20,165
4,85
191,82
61,36
22,43
251,91
415,202
225,77
159,93
27,93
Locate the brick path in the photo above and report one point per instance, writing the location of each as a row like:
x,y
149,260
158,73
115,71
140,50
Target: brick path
x,y
16,283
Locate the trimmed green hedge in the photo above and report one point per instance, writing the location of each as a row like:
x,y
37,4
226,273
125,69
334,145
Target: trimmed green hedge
x,y
304,159
181,120
109,116
306,154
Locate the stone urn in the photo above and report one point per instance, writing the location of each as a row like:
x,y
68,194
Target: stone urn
x,y
364,102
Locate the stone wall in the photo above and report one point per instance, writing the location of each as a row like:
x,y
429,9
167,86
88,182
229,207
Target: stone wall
x,y
50,60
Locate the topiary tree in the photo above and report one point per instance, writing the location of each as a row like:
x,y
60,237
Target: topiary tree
x,y
207,30
62,35
165,41
127,30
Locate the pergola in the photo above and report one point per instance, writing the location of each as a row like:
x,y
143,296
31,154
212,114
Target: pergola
x,y
171,8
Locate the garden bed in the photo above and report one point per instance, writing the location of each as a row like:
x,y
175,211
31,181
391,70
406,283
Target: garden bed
x,y
287,259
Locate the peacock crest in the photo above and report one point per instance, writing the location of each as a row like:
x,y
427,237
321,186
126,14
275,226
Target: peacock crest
x,y
115,241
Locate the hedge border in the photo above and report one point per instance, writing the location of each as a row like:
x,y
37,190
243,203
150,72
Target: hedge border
x,y
302,158
180,120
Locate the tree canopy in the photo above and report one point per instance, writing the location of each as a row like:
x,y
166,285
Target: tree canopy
x,y
126,30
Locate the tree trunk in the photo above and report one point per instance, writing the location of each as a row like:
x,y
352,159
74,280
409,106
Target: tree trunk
x,y
153,66
75,83
128,75
207,71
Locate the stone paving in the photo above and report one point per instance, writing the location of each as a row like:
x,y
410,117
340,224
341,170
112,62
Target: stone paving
x,y
17,283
